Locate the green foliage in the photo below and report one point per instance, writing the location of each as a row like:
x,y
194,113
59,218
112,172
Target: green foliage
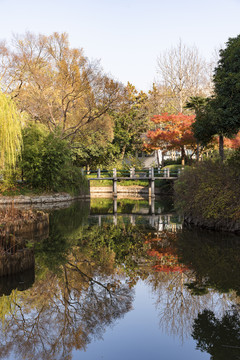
x,y
227,83
47,162
51,253
130,122
125,241
128,130
219,115
94,153
210,190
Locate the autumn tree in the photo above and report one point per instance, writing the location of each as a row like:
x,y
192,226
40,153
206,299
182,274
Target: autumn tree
x,y
58,86
173,132
182,73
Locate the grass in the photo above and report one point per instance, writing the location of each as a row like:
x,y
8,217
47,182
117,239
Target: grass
x,y
18,189
103,183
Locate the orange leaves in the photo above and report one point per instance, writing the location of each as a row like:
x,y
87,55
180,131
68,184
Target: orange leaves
x,y
233,143
168,269
174,132
164,255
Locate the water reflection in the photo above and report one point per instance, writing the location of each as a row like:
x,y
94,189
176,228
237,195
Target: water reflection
x,y
220,337
148,212
89,266
63,311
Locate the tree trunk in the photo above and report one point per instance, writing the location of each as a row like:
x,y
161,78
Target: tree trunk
x,y
159,157
163,153
221,150
197,151
123,152
88,169
183,155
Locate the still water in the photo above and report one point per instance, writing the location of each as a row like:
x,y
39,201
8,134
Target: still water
x,y
123,280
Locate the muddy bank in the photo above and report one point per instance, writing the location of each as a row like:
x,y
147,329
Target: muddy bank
x,y
25,223
17,227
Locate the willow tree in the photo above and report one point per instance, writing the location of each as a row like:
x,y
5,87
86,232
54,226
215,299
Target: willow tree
x,y
10,133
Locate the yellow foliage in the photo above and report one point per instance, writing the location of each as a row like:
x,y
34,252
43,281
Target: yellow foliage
x,y
10,132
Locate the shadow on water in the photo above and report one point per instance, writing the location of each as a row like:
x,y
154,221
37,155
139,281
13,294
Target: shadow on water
x,y
20,281
215,258
220,337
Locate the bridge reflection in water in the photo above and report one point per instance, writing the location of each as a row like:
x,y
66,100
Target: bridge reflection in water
x,y
152,216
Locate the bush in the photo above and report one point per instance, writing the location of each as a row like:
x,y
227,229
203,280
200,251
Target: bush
x,y
47,163
234,160
210,190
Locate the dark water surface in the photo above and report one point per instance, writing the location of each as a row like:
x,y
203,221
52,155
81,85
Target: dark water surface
x,y
123,280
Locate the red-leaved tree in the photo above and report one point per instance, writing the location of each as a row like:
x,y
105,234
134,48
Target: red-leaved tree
x,y
173,132
233,143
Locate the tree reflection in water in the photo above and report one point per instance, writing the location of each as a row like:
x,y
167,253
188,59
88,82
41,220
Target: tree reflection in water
x,y
64,312
85,278
195,273
219,337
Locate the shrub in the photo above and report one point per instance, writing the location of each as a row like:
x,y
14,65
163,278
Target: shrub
x,y
47,162
210,190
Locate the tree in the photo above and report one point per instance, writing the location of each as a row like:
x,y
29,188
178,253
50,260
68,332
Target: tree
x,y
10,133
173,133
196,103
93,145
58,86
130,122
221,116
183,73
227,82
211,122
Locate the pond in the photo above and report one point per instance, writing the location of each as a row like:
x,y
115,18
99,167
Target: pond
x,y
123,280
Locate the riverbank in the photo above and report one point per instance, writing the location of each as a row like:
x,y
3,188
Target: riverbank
x,y
40,199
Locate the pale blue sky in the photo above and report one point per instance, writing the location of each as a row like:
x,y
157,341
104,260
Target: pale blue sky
x,y
127,35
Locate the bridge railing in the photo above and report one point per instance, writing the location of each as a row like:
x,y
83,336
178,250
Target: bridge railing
x,y
156,173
